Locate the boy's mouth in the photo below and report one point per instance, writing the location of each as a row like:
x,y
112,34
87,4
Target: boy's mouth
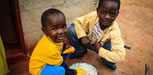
x,y
60,38
106,22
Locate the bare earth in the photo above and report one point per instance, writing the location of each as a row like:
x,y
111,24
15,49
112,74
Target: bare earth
x,y
136,24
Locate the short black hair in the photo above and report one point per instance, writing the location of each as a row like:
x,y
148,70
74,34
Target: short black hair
x,y
102,1
49,11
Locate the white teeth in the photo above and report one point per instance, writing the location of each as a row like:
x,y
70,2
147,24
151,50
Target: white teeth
x,y
60,38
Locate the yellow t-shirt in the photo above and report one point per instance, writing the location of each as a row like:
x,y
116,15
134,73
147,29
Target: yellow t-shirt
x,y
45,52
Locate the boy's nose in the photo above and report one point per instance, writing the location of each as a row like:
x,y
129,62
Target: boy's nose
x,y
107,16
60,31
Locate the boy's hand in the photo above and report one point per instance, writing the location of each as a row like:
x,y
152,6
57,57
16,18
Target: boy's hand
x,y
66,41
97,46
68,48
88,44
85,41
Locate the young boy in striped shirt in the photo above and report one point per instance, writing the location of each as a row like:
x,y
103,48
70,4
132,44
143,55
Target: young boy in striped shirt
x,y
99,32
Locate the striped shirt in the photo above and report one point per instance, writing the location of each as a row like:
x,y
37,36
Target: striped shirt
x,y
96,32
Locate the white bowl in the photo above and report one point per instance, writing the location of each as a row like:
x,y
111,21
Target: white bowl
x,y
90,70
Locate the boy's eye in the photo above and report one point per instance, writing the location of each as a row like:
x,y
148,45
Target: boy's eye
x,y
104,12
64,26
112,14
54,28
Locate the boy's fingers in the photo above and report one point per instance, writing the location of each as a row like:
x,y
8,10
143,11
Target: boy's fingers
x,y
91,42
67,46
98,40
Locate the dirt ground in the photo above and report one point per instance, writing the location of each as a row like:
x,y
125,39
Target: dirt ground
x,y
136,24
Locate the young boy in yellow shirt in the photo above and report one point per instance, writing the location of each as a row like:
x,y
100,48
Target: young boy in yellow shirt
x,y
99,32
48,55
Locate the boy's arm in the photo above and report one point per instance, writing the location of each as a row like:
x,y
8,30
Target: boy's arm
x,y
117,53
82,27
80,24
85,41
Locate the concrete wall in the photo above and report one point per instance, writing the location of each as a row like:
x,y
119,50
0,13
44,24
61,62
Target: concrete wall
x,y
31,11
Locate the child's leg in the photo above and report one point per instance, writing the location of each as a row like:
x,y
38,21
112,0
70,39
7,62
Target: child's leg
x,y
67,70
53,70
110,65
65,56
75,42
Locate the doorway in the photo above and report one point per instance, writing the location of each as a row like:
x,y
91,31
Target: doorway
x,y
11,29
8,28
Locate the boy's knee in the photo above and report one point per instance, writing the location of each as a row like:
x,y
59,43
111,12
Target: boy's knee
x,y
71,31
61,69
54,70
71,28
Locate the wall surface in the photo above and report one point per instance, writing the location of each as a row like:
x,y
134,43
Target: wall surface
x,y
31,11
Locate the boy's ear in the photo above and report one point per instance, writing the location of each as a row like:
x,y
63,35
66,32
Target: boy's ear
x,y
97,9
44,30
117,13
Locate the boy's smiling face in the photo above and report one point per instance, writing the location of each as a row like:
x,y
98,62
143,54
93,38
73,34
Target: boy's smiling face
x,y
107,13
56,27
